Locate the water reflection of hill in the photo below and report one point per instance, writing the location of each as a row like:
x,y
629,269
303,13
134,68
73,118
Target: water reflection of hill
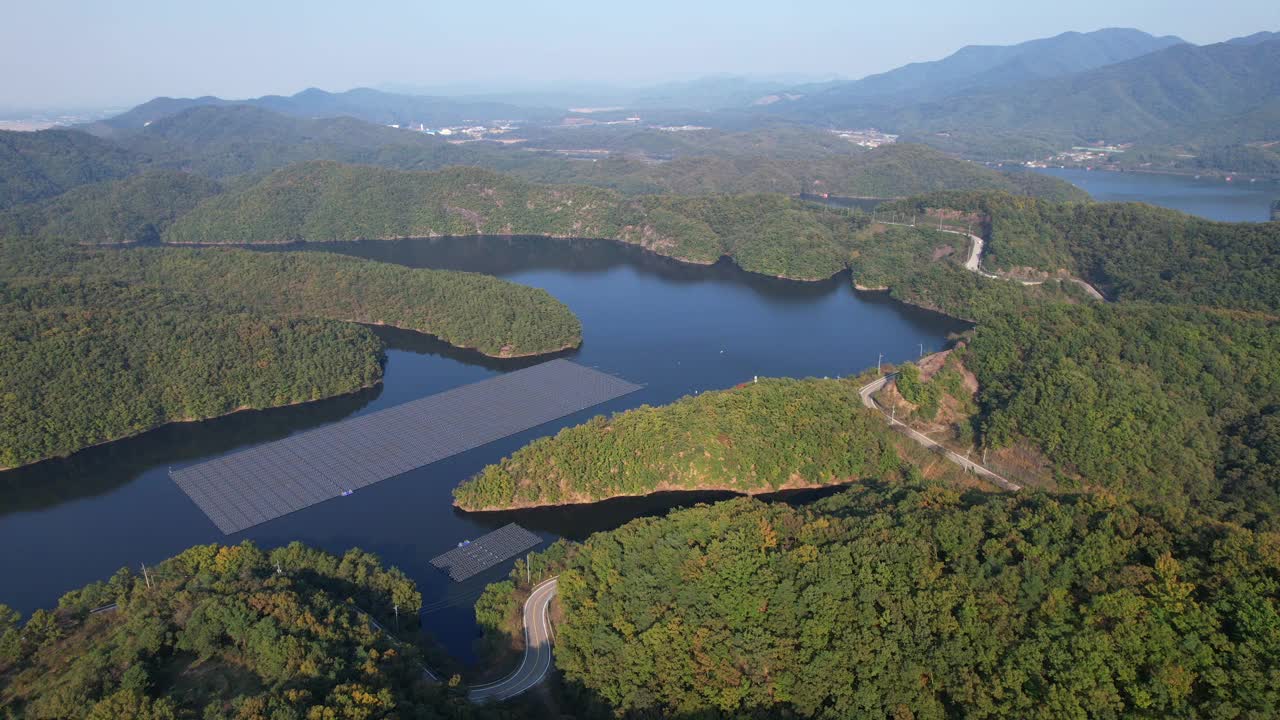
x,y
422,344
576,522
100,469
500,255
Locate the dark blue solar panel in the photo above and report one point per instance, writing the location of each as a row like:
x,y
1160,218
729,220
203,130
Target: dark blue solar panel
x,y
264,482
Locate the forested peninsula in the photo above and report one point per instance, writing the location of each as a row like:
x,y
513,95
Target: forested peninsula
x,y
100,345
761,437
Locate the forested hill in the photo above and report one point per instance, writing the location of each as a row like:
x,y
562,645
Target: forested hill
x,y
324,201
134,209
726,440
1179,94
227,632
227,140
1130,251
984,66
101,345
366,104
39,165
921,603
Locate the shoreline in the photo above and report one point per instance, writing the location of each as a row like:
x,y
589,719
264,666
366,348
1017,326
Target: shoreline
x,y
246,408
436,236
183,421
886,289
754,492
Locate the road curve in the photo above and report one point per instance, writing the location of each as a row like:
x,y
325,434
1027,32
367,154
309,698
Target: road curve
x,y
973,263
865,393
536,662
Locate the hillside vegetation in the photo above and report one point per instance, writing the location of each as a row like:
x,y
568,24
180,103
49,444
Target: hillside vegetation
x,y
135,209
226,632
922,603
1137,399
1129,251
761,437
466,310
39,165
89,362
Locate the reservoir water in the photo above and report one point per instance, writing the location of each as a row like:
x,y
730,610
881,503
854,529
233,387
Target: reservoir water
x,y
675,328
1210,197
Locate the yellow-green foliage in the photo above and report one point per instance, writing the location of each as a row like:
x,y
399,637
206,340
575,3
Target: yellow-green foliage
x,y
924,603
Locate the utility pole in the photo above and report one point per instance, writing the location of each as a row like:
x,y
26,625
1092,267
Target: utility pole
x,y
878,361
921,349
528,571
397,609
145,576
278,570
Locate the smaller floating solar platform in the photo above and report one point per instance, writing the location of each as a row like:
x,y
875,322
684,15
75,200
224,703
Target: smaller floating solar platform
x,y
474,557
265,482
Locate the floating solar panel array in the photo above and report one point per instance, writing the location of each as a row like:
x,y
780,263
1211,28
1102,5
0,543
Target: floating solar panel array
x,y
476,556
264,482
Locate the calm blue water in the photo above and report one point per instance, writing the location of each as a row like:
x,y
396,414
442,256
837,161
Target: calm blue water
x,y
1213,198
676,328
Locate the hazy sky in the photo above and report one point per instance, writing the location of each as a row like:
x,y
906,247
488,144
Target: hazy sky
x,y
57,53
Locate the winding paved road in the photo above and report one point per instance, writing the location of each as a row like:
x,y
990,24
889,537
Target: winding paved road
x,y
536,662
973,263
866,391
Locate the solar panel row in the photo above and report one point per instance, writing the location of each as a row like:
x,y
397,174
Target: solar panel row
x,y
264,482
485,552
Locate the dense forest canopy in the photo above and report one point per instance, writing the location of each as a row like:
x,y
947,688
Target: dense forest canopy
x,y
1133,398
39,165
923,603
88,361
135,209
224,632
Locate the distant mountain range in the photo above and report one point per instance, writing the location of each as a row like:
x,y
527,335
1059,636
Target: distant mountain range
x,y
985,66
365,104
1223,94
1011,102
